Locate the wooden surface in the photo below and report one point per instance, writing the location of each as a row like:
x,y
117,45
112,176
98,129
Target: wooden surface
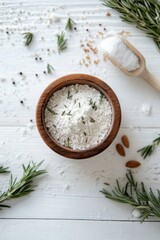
x,y
67,203
64,82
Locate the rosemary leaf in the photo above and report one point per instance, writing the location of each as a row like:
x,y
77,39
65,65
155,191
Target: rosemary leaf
x,y
69,96
61,42
101,97
28,36
68,143
83,120
69,113
3,169
23,186
51,111
93,104
92,120
136,195
157,140
145,14
70,24
49,68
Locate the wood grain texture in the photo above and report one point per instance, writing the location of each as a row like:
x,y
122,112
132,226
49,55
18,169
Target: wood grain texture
x,y
70,191
71,80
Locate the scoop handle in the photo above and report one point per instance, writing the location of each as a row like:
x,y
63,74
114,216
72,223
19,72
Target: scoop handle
x,y
151,79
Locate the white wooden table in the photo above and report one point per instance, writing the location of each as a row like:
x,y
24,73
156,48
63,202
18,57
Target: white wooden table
x,y
67,203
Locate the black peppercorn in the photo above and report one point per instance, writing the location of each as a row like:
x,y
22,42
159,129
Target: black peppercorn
x,y
13,83
36,75
40,58
104,29
20,73
87,29
36,58
21,102
100,24
75,28
44,72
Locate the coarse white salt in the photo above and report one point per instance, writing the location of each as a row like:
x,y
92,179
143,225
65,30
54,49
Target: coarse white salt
x,y
116,48
78,116
54,18
136,213
146,109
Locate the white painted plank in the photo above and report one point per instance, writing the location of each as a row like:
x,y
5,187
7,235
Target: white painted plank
x,y
71,188
77,230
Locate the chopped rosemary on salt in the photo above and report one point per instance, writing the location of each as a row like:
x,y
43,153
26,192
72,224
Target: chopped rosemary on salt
x,y
82,116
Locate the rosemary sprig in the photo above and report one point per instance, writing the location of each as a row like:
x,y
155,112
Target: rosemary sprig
x,y
24,185
70,24
28,36
145,14
51,111
148,150
135,194
61,42
3,169
49,68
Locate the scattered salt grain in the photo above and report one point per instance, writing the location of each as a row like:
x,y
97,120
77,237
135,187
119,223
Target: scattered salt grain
x,y
116,48
54,18
146,109
136,213
30,125
78,116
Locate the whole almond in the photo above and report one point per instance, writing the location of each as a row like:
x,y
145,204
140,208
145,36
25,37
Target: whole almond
x,y
132,164
125,141
120,150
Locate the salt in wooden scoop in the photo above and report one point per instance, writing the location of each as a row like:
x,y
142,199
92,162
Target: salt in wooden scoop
x,y
141,71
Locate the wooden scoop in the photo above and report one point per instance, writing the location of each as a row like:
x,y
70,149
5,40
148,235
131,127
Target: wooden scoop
x,y
141,71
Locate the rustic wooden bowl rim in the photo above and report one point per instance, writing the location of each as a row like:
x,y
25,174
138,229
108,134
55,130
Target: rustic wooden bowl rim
x,y
73,79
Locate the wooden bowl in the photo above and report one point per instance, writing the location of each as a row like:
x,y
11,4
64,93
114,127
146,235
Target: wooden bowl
x,y
71,80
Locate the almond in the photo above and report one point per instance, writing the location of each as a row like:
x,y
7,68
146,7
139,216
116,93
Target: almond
x,y
120,149
125,141
132,164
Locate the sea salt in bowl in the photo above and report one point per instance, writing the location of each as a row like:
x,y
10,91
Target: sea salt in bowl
x,y
78,116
